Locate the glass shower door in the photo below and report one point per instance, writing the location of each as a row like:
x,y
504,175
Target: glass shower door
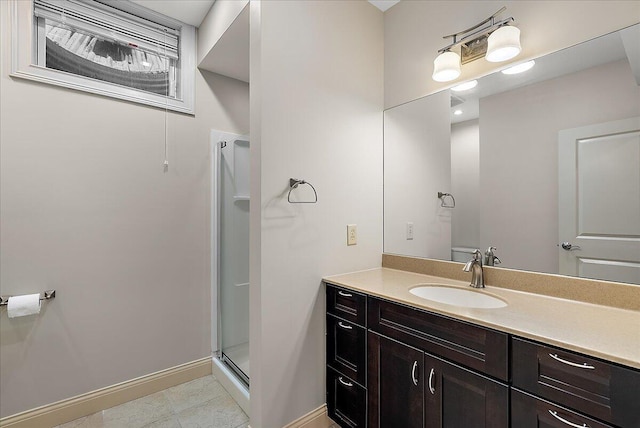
x,y
233,254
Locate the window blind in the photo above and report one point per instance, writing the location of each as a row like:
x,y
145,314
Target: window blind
x,y
112,24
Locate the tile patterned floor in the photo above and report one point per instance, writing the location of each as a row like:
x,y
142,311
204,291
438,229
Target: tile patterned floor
x,y
201,403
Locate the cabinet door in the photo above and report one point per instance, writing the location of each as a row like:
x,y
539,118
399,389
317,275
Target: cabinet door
x,y
346,349
347,304
458,398
597,388
396,384
346,400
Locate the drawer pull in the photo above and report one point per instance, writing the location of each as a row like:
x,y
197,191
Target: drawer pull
x,y
571,424
432,389
349,384
346,327
343,294
414,378
582,366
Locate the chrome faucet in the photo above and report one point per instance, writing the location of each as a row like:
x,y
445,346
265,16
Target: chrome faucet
x,y
490,259
475,266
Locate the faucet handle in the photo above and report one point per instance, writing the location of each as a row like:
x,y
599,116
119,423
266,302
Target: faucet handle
x,y
490,259
477,255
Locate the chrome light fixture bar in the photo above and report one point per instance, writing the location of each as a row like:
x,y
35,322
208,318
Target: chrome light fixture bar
x,y
493,39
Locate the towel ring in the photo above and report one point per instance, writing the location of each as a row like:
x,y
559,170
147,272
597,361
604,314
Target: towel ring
x,y
442,196
294,183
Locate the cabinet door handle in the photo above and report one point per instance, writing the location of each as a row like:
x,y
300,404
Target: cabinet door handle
x,y
343,294
414,378
564,421
346,327
349,384
432,389
582,366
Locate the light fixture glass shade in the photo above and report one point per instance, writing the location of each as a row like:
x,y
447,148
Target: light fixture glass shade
x,y
446,67
503,44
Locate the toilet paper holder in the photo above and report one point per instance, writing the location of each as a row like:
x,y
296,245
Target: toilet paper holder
x,y
46,295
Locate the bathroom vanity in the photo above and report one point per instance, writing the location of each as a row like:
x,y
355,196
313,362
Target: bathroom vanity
x,y
397,360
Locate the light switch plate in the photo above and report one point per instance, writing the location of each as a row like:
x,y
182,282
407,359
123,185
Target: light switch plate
x,y
352,234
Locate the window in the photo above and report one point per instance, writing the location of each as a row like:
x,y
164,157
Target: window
x,y
113,48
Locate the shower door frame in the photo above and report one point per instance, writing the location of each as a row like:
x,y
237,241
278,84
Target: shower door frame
x,y
216,138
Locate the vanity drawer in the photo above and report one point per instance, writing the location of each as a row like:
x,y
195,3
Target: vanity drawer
x,y
346,400
347,348
596,388
347,304
528,411
470,345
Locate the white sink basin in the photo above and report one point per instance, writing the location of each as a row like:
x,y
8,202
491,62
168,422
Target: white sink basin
x,y
457,296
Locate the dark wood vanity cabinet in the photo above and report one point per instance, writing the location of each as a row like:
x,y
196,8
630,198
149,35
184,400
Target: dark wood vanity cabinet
x,y
590,387
478,348
390,365
411,388
462,398
396,384
346,357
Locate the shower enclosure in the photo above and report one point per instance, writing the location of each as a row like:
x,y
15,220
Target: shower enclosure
x,y
231,250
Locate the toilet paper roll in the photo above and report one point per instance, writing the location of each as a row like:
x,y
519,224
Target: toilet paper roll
x,y
20,306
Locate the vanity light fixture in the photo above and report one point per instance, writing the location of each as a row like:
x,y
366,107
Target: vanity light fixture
x,y
520,68
465,86
496,40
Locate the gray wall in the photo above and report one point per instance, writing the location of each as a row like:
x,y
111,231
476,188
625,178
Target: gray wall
x,y
417,165
465,177
86,209
519,156
316,114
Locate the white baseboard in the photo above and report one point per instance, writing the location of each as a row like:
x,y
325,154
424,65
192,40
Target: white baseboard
x,y
105,398
317,418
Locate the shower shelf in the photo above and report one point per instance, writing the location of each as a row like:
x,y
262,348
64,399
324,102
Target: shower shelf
x,y
241,198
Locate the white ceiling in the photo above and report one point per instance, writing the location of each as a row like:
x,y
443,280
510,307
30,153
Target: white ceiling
x,y
191,12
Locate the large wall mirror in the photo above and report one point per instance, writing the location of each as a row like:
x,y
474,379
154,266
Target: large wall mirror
x,y
531,160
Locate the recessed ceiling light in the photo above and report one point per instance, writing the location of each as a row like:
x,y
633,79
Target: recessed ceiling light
x,y
457,112
520,68
465,86
145,64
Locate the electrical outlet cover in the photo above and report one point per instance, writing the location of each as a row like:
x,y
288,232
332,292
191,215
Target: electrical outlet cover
x,y
352,234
